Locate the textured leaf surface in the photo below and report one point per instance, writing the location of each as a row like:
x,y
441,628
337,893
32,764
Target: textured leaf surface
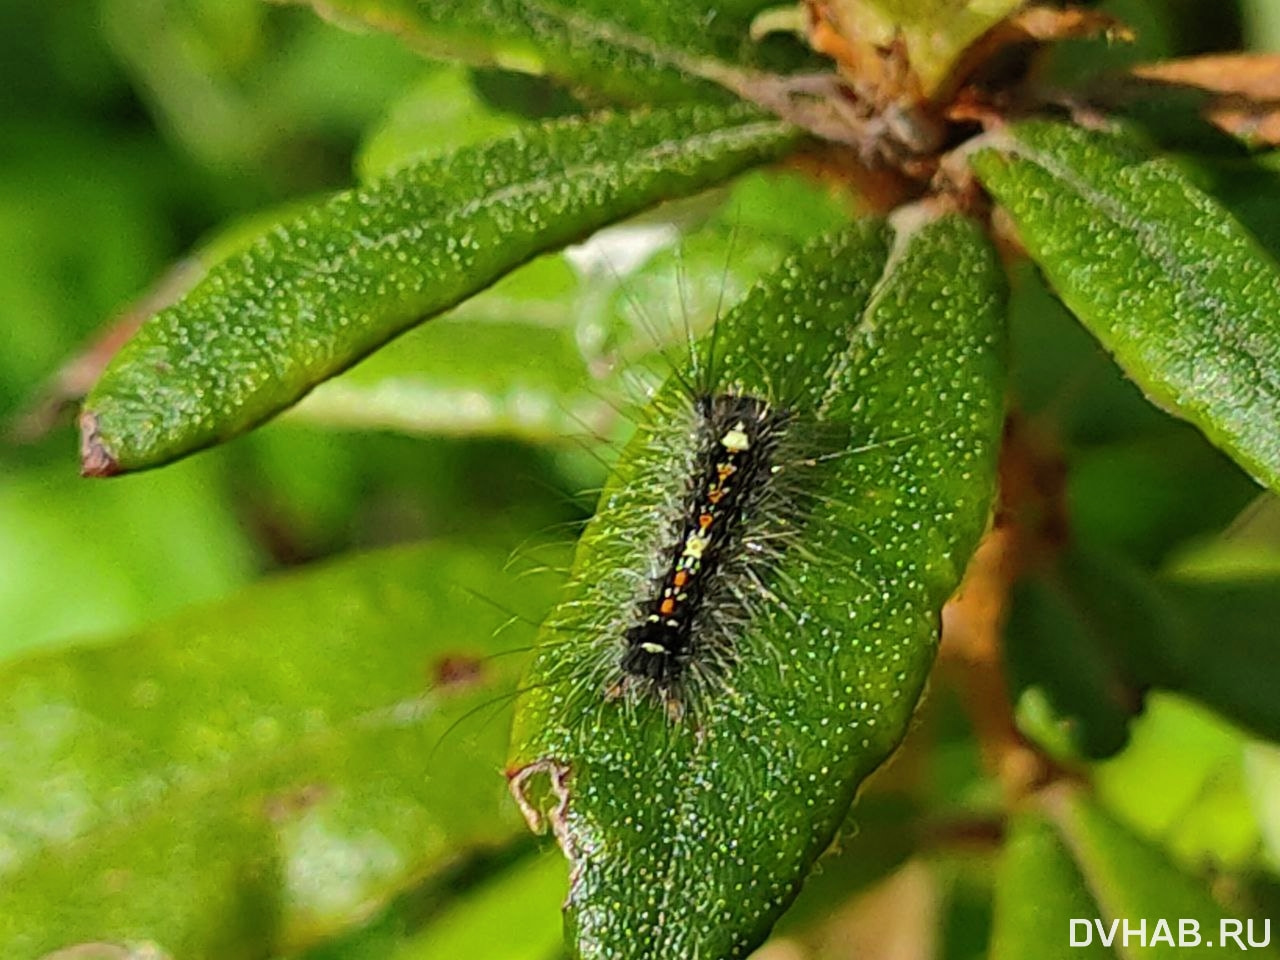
x,y
1164,277
262,773
463,375
555,349
689,837
319,292
1183,296
637,52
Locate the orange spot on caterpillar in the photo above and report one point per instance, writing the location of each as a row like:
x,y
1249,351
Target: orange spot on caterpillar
x,y
668,607
704,521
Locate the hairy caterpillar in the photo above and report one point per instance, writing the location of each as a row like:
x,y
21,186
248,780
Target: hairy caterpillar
x,y
745,447
692,786
728,460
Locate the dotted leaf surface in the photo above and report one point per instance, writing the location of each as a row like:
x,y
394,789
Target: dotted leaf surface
x,y
643,51
688,837
322,290
253,777
554,349
1183,296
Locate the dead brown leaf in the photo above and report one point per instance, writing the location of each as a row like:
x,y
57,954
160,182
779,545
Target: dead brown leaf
x,y
1254,76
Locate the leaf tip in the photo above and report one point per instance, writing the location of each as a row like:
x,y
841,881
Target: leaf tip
x,y
95,459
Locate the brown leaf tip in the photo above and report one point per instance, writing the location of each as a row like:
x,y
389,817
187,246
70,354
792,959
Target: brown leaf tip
x,y
95,460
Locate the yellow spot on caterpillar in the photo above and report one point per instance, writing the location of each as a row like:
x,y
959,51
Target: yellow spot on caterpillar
x,y
651,647
736,440
696,545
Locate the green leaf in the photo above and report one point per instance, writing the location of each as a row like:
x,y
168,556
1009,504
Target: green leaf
x,y
1227,657
1070,697
1183,296
262,773
555,349
1250,189
1197,808
508,379
441,112
1039,892
689,836
1132,880
1087,637
1061,376
507,362
174,540
644,51
512,916
319,292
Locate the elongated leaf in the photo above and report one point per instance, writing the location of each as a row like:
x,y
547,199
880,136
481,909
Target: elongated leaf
x,y
1078,884
262,773
1039,892
511,379
535,356
1134,882
319,292
1228,657
1251,191
644,51
1162,275
510,917
692,816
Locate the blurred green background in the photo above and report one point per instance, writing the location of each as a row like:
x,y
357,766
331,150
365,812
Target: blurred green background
x,y
135,131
